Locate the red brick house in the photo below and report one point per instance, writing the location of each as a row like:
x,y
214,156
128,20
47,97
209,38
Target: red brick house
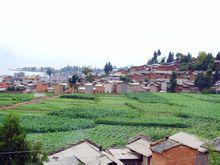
x,y
181,148
3,86
186,86
99,88
170,67
60,88
139,76
155,87
42,87
138,68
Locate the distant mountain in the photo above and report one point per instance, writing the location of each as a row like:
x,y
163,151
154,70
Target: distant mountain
x,y
7,60
10,60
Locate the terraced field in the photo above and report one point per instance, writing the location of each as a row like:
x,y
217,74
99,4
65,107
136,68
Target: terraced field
x,y
112,119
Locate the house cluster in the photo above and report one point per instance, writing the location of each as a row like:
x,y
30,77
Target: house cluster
x,y
145,78
22,83
181,148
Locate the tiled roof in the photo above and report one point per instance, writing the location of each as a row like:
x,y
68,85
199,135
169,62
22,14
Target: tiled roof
x,y
123,153
86,152
140,146
163,145
189,140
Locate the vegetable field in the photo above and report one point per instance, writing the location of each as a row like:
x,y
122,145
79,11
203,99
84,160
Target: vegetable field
x,y
110,120
10,99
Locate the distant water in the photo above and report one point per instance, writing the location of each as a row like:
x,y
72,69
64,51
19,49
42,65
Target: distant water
x,y
11,72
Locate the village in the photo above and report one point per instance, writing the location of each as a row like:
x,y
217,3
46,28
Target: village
x,y
179,149
145,78
104,82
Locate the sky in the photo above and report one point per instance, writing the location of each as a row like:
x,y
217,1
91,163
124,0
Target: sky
x,y
91,32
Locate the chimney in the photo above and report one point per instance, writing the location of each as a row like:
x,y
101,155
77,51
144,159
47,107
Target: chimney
x,y
100,149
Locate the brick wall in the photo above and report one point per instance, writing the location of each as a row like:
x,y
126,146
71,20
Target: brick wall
x,y
99,89
42,87
180,155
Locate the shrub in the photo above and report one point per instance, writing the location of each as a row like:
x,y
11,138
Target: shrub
x,y
157,122
79,97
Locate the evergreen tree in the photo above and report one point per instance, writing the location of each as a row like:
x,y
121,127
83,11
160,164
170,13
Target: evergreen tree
x,y
173,82
158,52
217,68
15,146
163,60
170,58
49,72
203,81
188,58
108,68
217,56
73,82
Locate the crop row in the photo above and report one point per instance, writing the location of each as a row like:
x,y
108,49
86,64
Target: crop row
x,y
144,121
79,96
92,113
44,123
146,97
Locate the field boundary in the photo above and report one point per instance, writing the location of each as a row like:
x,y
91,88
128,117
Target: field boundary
x,y
37,100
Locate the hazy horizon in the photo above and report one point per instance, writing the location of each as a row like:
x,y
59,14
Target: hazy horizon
x,y
58,33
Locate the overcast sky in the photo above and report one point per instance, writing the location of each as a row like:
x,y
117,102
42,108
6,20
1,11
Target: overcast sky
x,y
91,32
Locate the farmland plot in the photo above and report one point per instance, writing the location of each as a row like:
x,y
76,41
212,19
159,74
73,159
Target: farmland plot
x,y
112,119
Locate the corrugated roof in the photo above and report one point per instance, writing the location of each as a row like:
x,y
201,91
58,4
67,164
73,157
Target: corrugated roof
x,y
140,146
164,145
189,140
123,153
214,144
85,152
67,161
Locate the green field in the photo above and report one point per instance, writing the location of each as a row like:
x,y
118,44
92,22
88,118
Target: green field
x,y
10,99
110,120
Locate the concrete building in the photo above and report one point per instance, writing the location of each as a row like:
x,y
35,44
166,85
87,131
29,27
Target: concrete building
x,y
89,88
84,152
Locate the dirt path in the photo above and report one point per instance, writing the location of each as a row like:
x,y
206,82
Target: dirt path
x,y
37,100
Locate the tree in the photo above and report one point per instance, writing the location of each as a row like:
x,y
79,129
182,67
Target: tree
x,y
73,82
217,68
173,82
15,146
217,56
170,58
86,71
188,57
178,56
163,60
203,81
108,68
158,52
90,78
49,72
125,78
153,60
